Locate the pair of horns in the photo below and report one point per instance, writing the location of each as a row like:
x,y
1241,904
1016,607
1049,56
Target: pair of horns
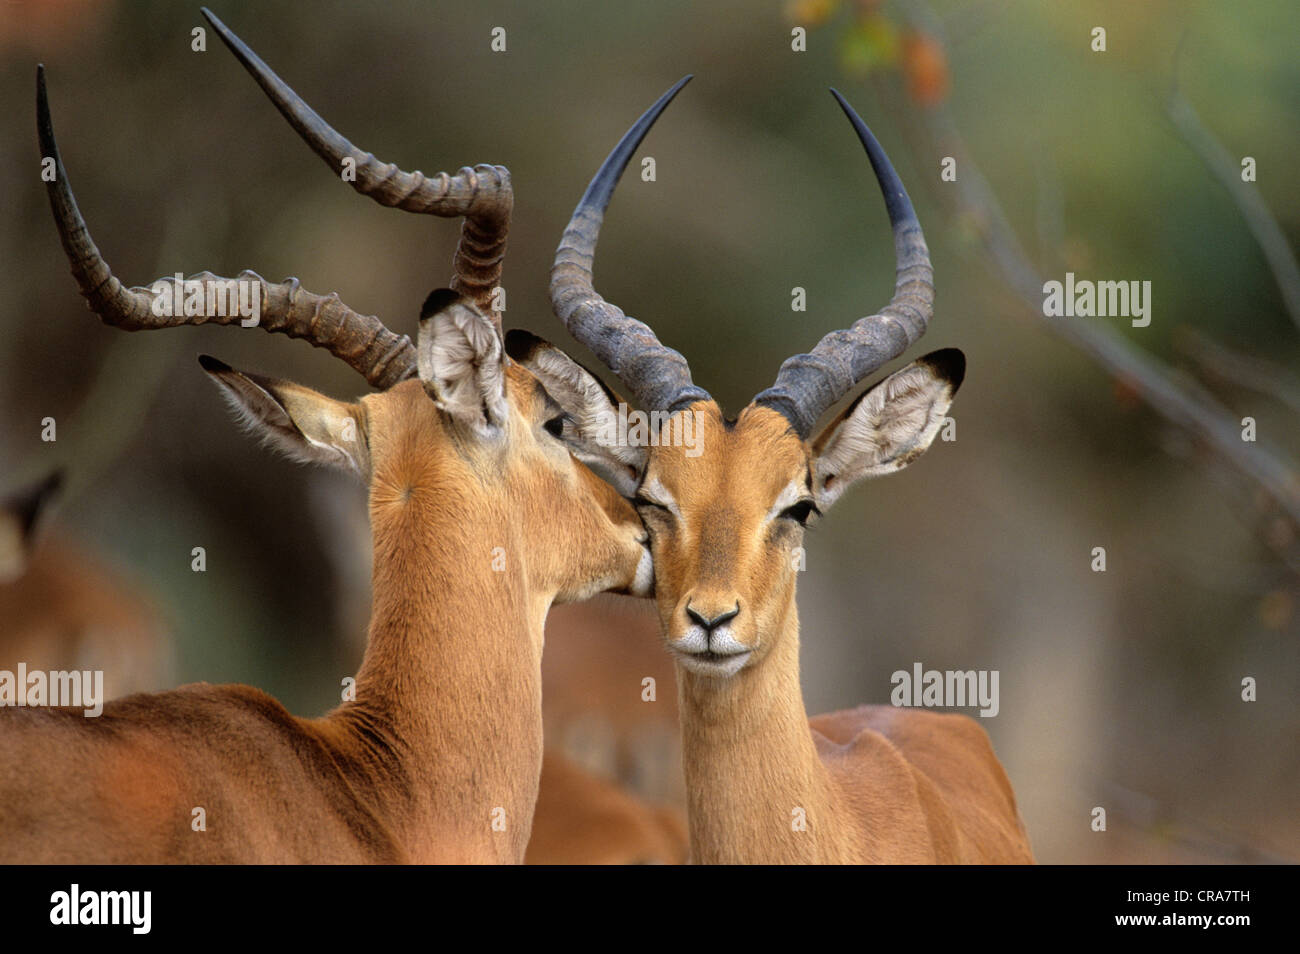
x,y
658,377
807,384
482,195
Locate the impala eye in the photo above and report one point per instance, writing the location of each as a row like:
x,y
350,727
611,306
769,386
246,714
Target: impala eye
x,y
555,426
800,512
639,501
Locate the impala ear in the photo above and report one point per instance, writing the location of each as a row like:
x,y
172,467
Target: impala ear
x,y
20,512
888,426
460,362
590,408
297,421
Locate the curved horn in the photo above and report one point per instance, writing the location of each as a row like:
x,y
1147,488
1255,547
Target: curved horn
x,y
808,384
657,377
483,195
363,342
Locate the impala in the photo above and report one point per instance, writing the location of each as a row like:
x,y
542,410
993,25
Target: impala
x,y
480,519
611,790
764,782
62,609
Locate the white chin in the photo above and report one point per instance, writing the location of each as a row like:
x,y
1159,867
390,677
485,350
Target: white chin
x,y
717,667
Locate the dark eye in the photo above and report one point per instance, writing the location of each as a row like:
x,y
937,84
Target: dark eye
x,y
800,512
555,426
639,501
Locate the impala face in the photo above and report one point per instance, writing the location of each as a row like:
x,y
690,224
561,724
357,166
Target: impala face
x,y
471,451
724,528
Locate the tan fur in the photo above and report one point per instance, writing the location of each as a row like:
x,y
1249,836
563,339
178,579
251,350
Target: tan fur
x,y
446,726
582,819
598,656
875,784
611,789
68,610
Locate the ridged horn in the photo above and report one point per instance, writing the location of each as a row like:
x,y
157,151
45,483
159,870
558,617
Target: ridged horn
x,y
808,384
381,356
483,194
658,377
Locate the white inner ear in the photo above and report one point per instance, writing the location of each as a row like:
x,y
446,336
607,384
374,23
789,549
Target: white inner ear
x,y
459,356
586,402
591,433
893,424
330,430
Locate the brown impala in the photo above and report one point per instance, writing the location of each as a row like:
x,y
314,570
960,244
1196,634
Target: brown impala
x,y
764,782
480,517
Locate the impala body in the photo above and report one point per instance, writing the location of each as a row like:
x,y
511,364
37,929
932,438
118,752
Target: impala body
x,y
764,782
481,519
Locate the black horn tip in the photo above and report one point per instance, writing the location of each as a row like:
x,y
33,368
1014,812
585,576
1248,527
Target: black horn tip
x,y
949,364
602,185
212,18
45,133
43,124
242,51
896,200
438,299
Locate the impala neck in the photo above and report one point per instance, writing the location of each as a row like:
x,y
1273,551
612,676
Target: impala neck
x,y
752,770
448,713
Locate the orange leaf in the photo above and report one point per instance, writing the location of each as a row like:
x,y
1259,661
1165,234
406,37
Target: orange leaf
x,y
926,67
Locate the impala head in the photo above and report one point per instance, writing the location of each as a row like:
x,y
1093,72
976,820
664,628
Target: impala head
x,y
461,443
727,515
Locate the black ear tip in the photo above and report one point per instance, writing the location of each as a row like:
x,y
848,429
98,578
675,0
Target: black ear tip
x,y
521,344
53,483
212,365
28,503
949,364
438,299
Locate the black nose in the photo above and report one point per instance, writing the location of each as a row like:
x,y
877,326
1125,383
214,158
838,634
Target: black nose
x,y
717,621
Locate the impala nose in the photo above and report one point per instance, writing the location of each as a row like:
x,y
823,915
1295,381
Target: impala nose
x,y
708,647
709,623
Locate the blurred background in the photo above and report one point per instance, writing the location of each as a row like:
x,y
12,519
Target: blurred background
x,y
1120,689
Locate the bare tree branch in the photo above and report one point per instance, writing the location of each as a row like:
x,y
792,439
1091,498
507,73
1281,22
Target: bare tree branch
x,y
1261,222
1218,362
971,200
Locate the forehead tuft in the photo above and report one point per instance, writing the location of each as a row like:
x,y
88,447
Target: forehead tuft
x,y
750,460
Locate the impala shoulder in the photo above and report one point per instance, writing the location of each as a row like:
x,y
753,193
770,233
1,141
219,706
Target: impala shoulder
x,y
911,725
